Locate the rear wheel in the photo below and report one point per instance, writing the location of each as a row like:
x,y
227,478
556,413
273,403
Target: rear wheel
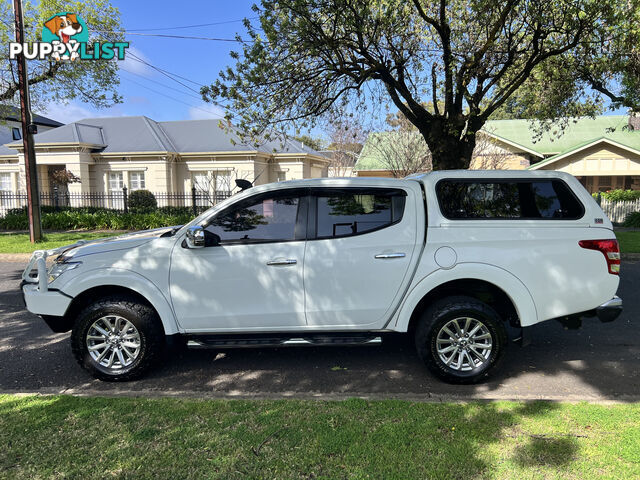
x,y
117,338
460,339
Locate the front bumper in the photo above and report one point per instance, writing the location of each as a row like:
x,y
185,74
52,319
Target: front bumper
x,y
51,302
609,311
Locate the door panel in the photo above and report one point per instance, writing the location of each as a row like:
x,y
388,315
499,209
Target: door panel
x,y
250,274
232,286
354,278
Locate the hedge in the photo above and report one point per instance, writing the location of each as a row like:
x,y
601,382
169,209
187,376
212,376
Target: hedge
x,y
632,220
98,220
619,195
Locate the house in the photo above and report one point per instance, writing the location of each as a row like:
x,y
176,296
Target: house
x,y
603,152
11,131
136,152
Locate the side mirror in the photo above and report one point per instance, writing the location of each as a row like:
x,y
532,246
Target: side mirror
x,y
195,237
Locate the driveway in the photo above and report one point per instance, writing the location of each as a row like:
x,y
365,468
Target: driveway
x,y
600,362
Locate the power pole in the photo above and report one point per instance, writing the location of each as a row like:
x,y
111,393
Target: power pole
x,y
31,172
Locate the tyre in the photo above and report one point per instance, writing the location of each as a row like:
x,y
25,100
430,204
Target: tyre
x,y
460,339
117,338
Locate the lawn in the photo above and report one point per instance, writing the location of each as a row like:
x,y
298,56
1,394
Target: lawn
x,y
19,242
629,241
75,437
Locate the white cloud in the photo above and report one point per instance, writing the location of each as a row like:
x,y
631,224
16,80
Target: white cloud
x,y
205,111
75,111
133,64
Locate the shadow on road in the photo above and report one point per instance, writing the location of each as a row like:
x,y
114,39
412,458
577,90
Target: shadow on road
x,y
599,361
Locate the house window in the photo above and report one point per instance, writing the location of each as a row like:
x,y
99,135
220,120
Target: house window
x,y
116,181
604,183
5,182
281,176
136,181
15,131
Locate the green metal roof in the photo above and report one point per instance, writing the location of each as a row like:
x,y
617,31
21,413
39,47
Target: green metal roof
x,y
579,132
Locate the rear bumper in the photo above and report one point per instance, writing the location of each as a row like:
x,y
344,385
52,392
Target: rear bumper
x,y
609,311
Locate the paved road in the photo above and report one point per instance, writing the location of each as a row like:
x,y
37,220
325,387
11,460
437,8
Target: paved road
x,y
600,362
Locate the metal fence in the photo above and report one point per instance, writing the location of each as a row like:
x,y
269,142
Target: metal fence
x,y
195,200
617,211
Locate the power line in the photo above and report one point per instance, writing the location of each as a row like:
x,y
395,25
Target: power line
x,y
160,83
189,26
173,98
163,72
139,60
182,37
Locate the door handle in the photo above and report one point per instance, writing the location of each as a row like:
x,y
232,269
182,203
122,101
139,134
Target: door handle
x,y
390,255
281,262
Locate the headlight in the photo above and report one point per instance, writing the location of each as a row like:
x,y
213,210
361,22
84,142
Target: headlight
x,y
58,269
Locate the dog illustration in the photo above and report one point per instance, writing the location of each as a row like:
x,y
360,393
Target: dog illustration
x,y
64,26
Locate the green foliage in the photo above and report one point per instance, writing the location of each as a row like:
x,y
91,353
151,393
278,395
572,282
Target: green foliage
x,y
316,144
77,219
632,220
142,201
447,66
19,242
618,195
94,82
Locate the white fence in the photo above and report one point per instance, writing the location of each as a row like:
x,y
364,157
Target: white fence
x,y
617,211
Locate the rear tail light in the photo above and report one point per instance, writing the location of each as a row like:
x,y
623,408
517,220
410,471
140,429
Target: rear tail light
x,y
609,249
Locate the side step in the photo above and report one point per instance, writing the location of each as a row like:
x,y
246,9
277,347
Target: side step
x,y
270,340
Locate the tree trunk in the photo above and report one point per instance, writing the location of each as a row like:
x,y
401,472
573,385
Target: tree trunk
x,y
450,149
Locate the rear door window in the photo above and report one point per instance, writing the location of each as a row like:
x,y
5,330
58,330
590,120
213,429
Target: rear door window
x,y
544,199
347,212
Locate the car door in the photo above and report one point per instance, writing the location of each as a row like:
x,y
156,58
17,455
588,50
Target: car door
x,y
361,244
249,276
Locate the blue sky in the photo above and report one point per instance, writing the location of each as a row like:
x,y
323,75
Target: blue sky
x,y
145,90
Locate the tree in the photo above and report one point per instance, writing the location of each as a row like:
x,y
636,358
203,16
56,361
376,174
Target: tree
x,y
488,154
402,149
346,137
64,177
94,82
466,57
316,144
215,185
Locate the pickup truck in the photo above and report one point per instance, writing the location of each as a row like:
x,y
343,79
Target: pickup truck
x,y
451,258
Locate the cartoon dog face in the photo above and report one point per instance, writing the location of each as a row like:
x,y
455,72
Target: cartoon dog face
x,y
64,26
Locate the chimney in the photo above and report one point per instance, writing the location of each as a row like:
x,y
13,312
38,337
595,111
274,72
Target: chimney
x,y
634,121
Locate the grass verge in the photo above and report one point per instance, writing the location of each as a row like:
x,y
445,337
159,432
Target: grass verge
x,y
74,437
629,241
19,242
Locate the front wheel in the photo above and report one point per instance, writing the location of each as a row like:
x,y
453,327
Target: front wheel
x,y
117,338
461,339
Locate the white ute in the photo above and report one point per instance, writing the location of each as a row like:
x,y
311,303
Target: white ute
x,y
449,257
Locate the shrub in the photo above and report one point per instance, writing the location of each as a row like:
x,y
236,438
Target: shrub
x,y
619,195
98,220
142,201
632,220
